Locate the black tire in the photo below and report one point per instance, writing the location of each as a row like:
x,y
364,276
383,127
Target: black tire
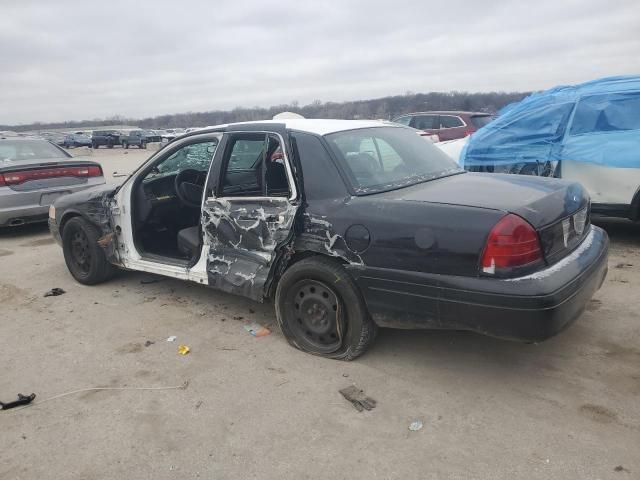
x,y
110,145
125,145
143,145
94,145
308,294
85,259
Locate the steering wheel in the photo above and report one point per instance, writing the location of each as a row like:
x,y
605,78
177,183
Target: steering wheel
x,y
189,185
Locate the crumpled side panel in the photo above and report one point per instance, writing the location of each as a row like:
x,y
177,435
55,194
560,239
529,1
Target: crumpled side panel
x,y
245,238
319,235
95,205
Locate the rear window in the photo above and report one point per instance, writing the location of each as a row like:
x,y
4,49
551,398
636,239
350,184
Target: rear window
x,y
386,158
24,150
480,121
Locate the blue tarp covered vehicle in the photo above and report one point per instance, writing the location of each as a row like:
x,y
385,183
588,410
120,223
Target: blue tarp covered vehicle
x,y
588,132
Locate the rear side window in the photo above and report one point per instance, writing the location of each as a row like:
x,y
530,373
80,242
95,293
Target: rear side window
x,y
255,166
480,121
246,153
320,175
607,113
425,122
449,121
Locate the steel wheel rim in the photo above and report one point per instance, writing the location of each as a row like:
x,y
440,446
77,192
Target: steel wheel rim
x,y
80,252
314,313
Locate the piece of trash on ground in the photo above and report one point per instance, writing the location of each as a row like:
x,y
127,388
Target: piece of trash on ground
x,y
358,398
22,400
415,426
148,281
148,343
54,292
257,330
172,338
624,265
183,349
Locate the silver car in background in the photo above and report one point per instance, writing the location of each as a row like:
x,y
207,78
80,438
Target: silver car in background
x,y
33,173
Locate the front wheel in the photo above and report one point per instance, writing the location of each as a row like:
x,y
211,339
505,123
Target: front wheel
x,y
85,259
320,310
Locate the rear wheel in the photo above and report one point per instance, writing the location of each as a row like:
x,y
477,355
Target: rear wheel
x,y
320,310
143,145
85,259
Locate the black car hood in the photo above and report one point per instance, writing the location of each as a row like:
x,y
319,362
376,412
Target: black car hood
x,y
541,201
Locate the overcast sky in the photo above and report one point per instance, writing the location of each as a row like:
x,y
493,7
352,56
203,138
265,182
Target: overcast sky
x,y
73,60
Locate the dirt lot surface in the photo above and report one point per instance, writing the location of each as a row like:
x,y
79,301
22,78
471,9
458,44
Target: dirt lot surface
x,y
568,408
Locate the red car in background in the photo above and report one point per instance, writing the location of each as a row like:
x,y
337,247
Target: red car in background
x,y
447,125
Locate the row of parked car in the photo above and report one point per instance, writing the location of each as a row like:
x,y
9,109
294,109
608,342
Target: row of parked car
x,y
112,138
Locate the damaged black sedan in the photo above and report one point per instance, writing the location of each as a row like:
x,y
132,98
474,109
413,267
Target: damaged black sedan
x,y
347,226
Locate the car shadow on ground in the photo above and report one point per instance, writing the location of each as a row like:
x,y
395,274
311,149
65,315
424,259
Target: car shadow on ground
x,y
24,230
621,232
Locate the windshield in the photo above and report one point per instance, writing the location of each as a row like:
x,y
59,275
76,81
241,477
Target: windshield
x,y
385,158
23,150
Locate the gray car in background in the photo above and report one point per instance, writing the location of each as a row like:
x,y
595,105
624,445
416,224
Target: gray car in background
x,y
33,173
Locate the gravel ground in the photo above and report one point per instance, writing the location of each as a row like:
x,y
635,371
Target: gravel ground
x,y
256,408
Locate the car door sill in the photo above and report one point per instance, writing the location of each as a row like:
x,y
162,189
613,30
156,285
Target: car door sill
x,y
174,262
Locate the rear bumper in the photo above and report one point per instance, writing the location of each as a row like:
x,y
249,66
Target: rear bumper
x,y
530,308
19,208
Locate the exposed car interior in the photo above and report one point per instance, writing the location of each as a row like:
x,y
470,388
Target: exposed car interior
x,y
167,202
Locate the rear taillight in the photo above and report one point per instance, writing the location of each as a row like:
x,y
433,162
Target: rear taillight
x,y
512,243
17,178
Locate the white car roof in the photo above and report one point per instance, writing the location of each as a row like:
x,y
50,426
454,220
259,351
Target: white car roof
x,y
319,126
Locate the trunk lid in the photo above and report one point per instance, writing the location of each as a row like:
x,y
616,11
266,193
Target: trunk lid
x,y
557,209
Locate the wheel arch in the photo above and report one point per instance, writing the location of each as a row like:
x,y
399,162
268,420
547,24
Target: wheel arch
x,y
634,212
288,261
68,215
